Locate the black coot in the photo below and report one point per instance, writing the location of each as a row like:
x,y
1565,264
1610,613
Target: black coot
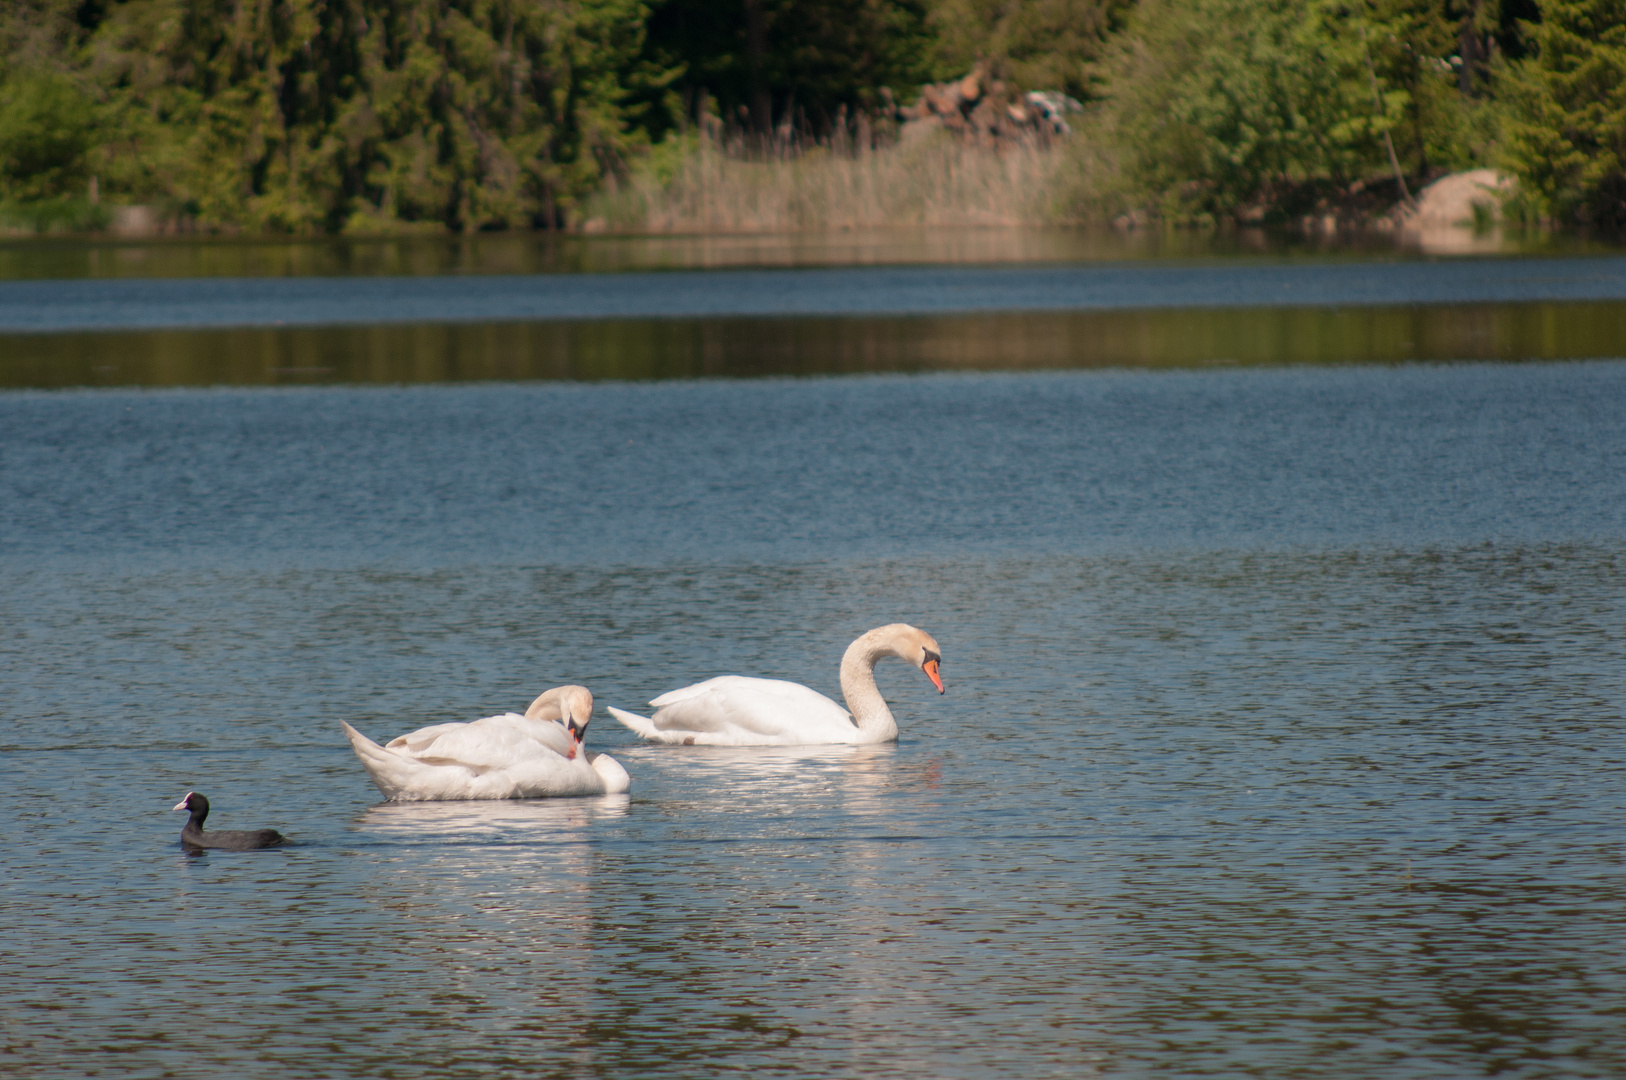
x,y
194,837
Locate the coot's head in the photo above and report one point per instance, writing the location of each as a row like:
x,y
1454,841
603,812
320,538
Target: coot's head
x,y
193,801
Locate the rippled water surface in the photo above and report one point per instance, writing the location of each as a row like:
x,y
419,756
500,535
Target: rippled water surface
x,y
1283,733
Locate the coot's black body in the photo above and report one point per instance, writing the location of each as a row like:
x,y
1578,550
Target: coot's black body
x,y
193,836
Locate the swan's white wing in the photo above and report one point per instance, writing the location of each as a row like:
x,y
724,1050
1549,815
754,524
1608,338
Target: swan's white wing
x,y
403,744
551,734
770,689
495,742
539,772
400,776
539,775
733,710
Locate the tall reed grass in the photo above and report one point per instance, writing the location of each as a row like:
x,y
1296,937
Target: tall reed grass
x,y
702,183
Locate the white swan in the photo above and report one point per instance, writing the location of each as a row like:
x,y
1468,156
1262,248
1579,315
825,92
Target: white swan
x,y
501,757
736,711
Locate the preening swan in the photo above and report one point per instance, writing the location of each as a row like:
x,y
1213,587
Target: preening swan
x,y
501,757
736,711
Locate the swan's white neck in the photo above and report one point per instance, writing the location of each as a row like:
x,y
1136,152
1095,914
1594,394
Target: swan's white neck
x,y
864,700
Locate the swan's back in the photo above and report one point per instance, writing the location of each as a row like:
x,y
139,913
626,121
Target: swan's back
x,y
495,742
536,772
735,709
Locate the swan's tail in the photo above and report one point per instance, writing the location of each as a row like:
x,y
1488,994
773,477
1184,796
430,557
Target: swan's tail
x,y
386,769
641,725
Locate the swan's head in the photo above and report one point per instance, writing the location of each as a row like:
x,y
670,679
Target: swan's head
x,y
934,661
571,706
914,645
575,714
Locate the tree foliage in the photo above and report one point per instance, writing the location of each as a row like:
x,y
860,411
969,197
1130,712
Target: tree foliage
x,y
1227,103
1037,44
358,115
48,130
766,63
305,115
1566,132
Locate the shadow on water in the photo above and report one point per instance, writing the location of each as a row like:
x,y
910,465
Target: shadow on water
x,y
754,346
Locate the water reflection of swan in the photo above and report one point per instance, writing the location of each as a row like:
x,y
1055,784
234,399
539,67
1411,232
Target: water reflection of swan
x,y
492,902
736,711
797,782
500,757
488,820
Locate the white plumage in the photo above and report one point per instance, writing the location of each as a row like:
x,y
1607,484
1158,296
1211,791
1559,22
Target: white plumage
x,y
733,710
500,757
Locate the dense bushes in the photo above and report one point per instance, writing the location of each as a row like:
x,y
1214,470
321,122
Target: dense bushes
x,y
357,115
1228,103
304,115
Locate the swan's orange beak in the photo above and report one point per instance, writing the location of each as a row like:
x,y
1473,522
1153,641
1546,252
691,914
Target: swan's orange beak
x,y
576,734
930,668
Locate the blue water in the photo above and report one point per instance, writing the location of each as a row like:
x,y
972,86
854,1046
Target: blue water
x,y
1283,732
43,306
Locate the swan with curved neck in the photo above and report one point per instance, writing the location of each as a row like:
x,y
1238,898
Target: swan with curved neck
x,y
500,757
733,710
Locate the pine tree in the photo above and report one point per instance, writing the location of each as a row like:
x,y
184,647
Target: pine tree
x,y
308,115
1566,133
765,63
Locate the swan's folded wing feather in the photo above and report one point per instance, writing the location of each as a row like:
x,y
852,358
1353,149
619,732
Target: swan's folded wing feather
x,y
539,772
496,742
763,708
401,777
551,735
771,689
539,776
405,743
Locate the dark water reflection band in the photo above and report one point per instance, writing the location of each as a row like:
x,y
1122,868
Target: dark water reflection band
x,y
592,349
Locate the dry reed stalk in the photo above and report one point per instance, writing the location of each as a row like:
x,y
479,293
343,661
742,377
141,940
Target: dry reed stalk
x,y
927,179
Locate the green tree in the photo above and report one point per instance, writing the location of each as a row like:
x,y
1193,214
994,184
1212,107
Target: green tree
x,y
1036,44
1411,45
1228,106
1566,129
763,62
47,133
327,114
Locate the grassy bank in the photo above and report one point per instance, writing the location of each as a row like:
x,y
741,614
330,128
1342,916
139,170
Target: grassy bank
x,y
702,184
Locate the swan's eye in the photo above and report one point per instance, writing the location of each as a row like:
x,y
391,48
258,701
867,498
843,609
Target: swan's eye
x,y
930,656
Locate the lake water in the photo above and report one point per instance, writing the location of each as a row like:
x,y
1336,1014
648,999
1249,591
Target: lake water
x,y
478,326
1284,725
203,303
1283,734
197,256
